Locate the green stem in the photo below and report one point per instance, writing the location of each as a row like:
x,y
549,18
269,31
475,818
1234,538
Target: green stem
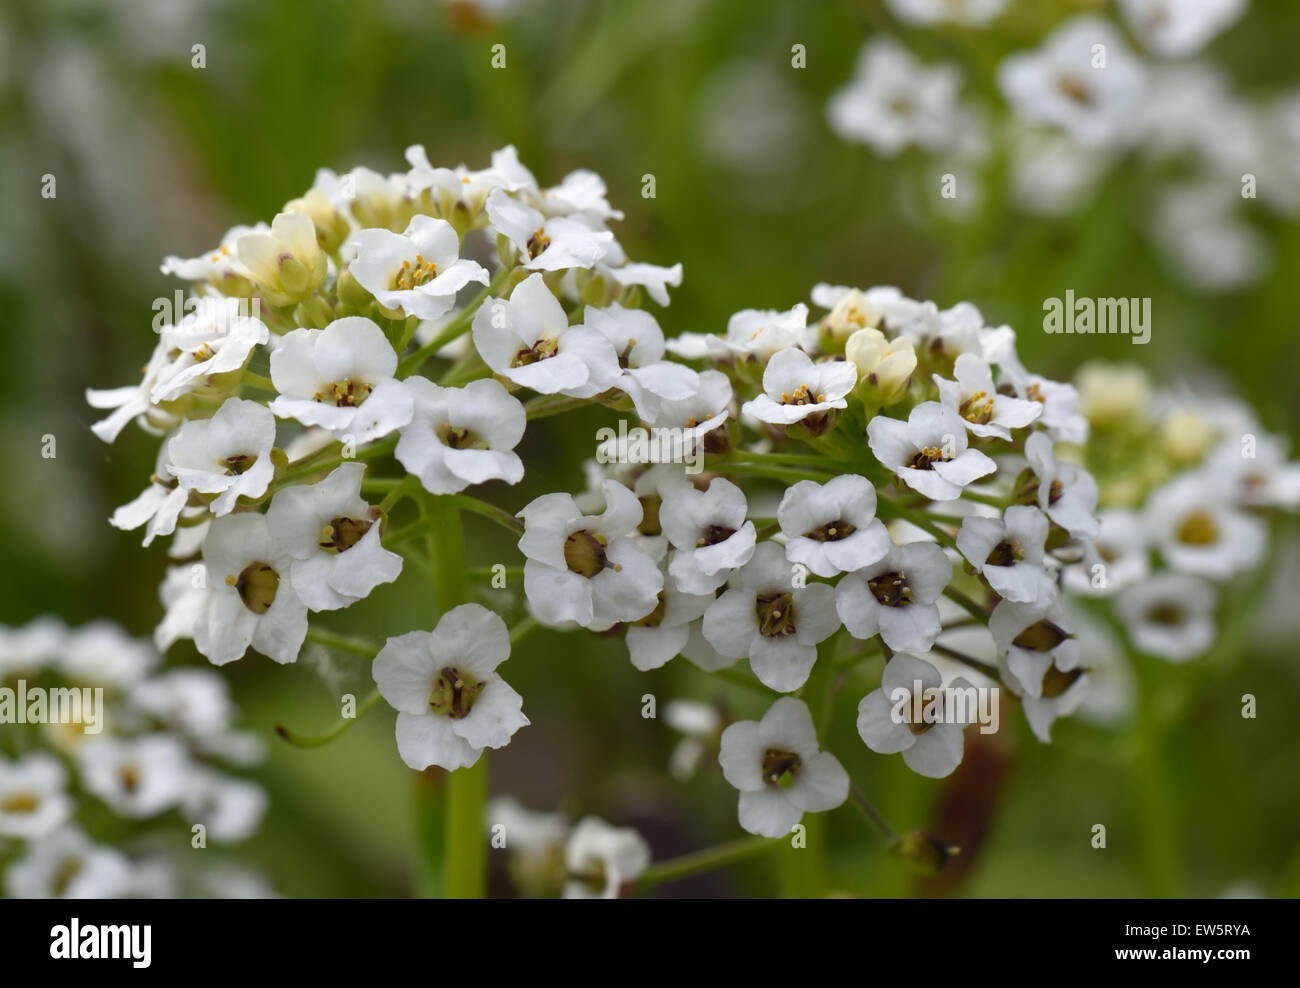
x,y
490,511
357,646
709,859
343,723
464,848
968,605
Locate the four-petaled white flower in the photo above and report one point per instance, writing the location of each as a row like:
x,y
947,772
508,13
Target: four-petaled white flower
x,y
772,622
1170,615
251,599
216,338
1034,646
780,770
333,537
929,451
340,378
931,743
977,401
32,797
67,865
832,528
417,272
1178,28
450,702
1117,558
587,568
546,243
896,596
639,344
228,455
752,334
1066,492
1198,531
1082,78
137,777
528,340
462,436
795,387
1009,553
708,532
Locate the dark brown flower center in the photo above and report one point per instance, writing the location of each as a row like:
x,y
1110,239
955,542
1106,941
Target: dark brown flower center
x,y
775,614
891,590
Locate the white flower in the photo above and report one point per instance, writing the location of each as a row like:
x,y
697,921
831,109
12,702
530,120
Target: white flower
x,y
450,701
1083,78
614,265
228,455
581,192
751,334
1115,559
546,243
1033,644
1266,479
102,654
528,340
699,415
928,12
976,400
137,777
1066,492
220,267
333,537
66,865
663,633
709,533
894,101
251,600
194,702
25,652
1060,418
701,723
780,770
929,451
216,338
1178,28
158,507
462,436
285,261
601,859
32,797
770,621
184,597
587,568
340,378
932,744
135,400
795,387
832,528
1197,531
1170,615
526,831
639,344
1008,552
229,809
896,597
459,194
415,273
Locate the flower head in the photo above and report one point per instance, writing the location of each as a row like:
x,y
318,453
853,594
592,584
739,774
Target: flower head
x,y
780,770
450,701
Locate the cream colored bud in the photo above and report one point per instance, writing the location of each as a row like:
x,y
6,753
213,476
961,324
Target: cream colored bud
x,y
884,366
1111,394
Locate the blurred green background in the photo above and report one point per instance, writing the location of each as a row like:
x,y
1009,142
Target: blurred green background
x,y
759,200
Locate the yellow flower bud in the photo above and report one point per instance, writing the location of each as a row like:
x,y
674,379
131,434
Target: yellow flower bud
x,y
884,366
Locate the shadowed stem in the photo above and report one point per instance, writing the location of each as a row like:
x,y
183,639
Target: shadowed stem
x,y
709,859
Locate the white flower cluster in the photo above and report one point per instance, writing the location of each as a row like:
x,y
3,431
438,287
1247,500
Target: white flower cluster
x,y
1083,103
887,474
89,719
1186,480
